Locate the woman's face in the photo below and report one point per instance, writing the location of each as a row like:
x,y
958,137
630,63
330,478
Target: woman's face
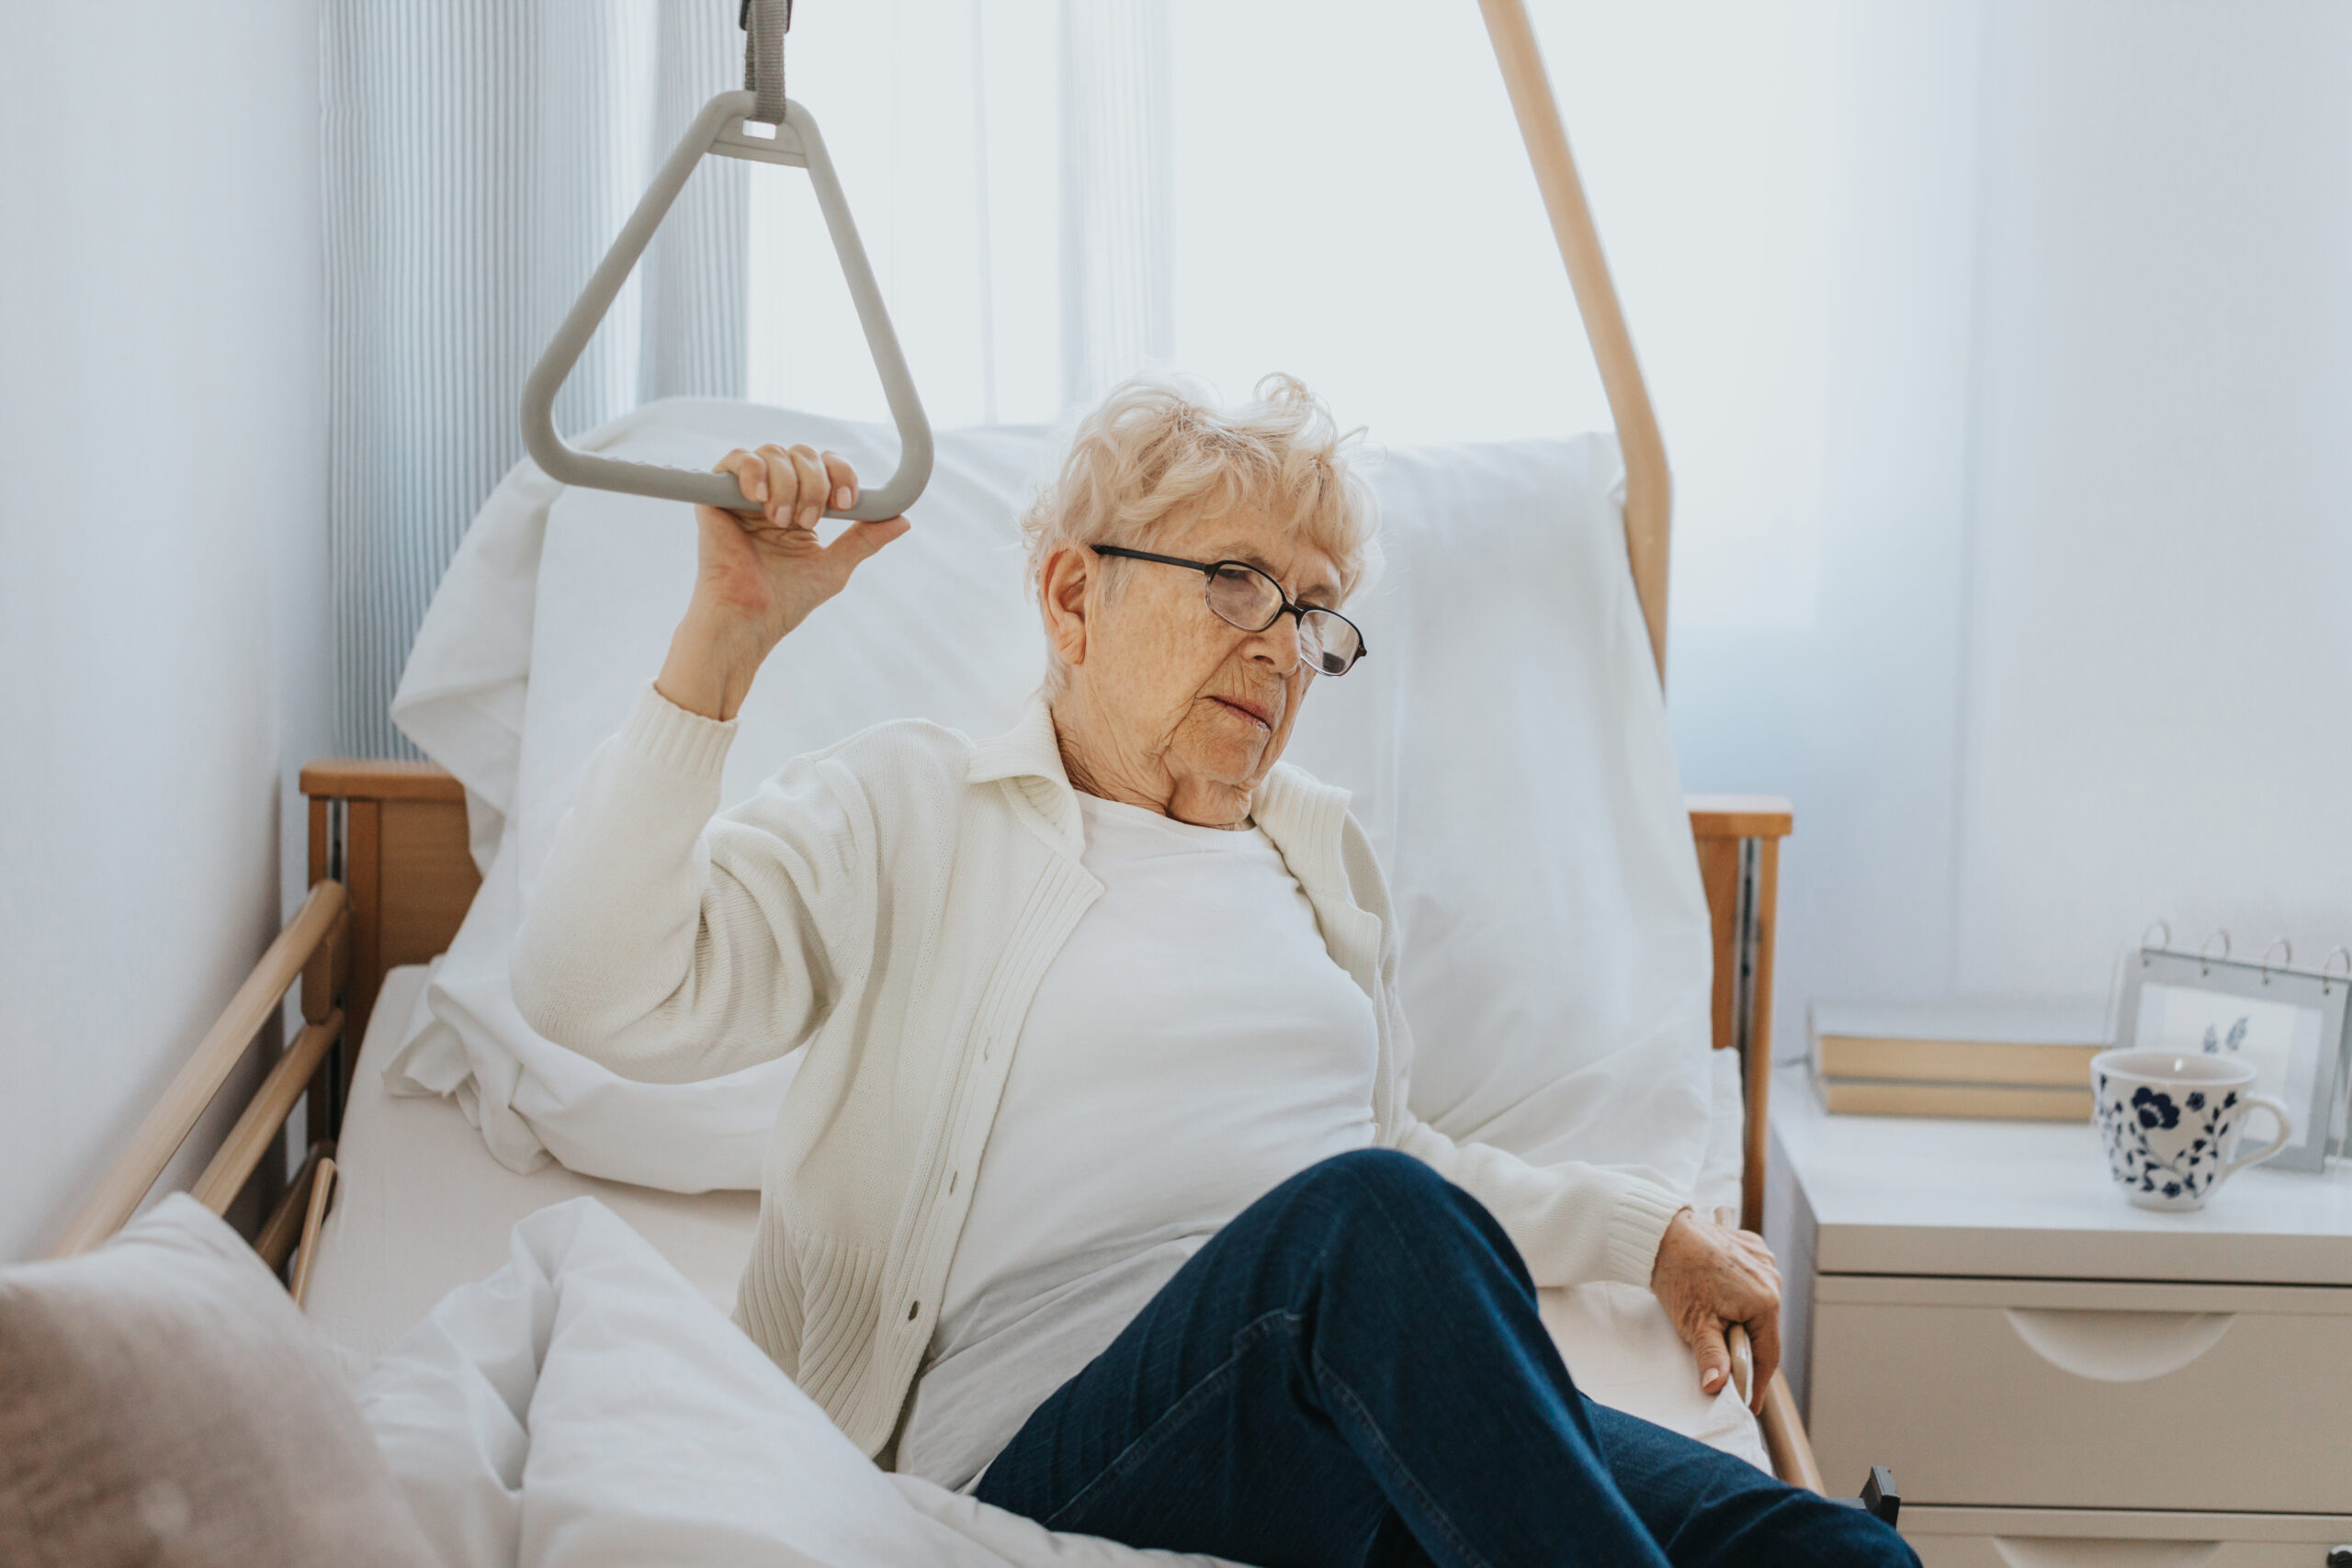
x,y
1167,704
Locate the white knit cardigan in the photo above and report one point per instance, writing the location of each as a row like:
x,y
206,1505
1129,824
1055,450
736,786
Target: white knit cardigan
x,y
890,904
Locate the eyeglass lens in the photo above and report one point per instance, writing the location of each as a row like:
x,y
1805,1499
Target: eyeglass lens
x,y
1248,598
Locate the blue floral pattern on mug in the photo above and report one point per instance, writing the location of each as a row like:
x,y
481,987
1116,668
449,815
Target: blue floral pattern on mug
x,y
2178,1170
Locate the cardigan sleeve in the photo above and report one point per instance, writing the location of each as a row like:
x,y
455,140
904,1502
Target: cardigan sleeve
x,y
670,947
1572,1222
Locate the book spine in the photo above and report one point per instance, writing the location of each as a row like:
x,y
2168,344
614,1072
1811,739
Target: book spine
x,y
1955,1061
2007,1103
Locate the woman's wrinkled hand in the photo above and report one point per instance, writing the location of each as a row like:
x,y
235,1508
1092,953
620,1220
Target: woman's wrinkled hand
x,y
1708,1276
762,572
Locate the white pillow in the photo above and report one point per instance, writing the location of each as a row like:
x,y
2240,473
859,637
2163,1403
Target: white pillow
x,y
1504,742
585,1407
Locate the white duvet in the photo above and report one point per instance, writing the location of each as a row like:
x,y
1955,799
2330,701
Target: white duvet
x,y
585,1407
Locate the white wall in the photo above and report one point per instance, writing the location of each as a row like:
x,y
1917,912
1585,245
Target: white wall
x,y
2159,715
2080,657
163,583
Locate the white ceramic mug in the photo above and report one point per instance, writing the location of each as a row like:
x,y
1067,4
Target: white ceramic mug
x,y
2170,1121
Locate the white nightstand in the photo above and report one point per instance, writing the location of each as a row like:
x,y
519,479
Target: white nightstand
x,y
2057,1378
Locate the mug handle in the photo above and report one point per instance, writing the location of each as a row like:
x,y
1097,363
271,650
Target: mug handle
x,y
2286,1135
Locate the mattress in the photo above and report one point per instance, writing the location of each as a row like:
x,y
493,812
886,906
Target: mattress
x,y
420,1207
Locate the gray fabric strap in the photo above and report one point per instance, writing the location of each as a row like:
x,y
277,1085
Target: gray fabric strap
x,y
765,23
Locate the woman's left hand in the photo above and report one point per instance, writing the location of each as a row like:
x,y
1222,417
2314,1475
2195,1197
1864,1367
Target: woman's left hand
x,y
1709,1276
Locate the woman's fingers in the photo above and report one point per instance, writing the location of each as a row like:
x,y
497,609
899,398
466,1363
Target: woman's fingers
x,y
1709,1274
810,487
749,473
784,484
793,486
844,479
1713,1356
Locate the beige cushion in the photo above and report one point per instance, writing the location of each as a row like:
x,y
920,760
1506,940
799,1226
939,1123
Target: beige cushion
x,y
162,1402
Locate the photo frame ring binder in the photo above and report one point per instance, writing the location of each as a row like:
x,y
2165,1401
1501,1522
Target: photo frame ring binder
x,y
2294,1025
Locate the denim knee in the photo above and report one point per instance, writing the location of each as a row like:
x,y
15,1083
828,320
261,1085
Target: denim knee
x,y
1403,1192
1386,1174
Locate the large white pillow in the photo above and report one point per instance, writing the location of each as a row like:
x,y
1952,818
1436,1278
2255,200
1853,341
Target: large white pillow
x,y
1504,741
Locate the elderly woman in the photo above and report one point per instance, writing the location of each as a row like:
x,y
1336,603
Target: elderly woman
x,y
1098,1187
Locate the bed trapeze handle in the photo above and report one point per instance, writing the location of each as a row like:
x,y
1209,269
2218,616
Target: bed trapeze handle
x,y
720,129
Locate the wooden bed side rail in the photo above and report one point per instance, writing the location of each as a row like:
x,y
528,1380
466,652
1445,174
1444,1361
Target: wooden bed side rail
x,y
312,948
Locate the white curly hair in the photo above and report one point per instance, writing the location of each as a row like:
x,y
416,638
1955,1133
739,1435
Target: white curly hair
x,y
1160,452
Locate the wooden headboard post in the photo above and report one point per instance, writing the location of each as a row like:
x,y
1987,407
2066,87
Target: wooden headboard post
x,y
394,835
1738,839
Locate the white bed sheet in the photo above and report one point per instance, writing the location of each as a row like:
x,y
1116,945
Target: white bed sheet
x,y
421,1207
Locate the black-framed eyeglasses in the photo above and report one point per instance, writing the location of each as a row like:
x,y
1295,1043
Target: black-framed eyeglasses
x,y
1240,594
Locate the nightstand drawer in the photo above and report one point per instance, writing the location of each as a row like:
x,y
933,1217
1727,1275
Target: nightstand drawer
x,y
2081,1395
2065,1538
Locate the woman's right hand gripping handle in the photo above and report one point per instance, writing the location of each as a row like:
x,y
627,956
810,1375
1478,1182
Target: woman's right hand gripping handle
x,y
762,572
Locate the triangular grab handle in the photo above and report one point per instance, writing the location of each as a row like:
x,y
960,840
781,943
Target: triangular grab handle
x,y
719,128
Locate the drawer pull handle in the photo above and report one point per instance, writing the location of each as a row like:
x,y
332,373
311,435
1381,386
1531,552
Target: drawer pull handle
x,y
2058,1552
2117,1346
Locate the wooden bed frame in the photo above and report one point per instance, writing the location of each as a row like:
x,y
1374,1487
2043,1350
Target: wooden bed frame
x,y
392,875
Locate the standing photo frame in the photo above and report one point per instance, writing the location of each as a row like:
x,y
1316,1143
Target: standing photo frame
x,y
2290,1024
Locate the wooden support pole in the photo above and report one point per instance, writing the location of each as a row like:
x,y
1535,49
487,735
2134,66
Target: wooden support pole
x,y
1649,487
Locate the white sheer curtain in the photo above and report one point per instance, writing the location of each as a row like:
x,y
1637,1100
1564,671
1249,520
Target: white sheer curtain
x,y
1063,191
479,155
1058,192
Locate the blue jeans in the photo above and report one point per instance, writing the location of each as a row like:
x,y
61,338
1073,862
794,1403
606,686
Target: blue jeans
x,y
1353,1371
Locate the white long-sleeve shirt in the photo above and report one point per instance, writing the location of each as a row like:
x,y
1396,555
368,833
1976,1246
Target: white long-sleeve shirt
x,y
1190,1048
890,904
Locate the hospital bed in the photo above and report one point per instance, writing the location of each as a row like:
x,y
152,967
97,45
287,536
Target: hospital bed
x,y
402,1196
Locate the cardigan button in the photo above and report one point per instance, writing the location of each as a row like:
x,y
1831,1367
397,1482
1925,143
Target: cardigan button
x,y
912,1308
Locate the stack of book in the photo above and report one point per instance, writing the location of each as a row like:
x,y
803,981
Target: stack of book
x,y
2011,1060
